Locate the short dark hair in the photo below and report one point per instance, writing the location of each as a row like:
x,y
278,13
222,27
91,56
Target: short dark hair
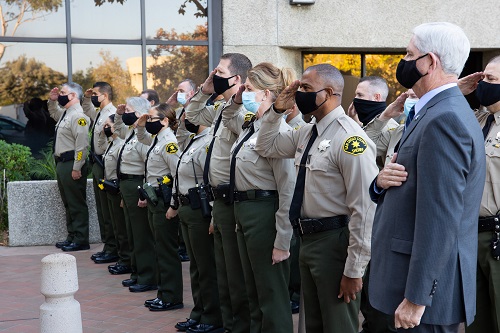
x,y
379,85
105,87
330,76
191,83
239,64
152,95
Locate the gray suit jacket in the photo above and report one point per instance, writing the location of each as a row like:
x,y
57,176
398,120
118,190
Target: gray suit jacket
x,y
424,243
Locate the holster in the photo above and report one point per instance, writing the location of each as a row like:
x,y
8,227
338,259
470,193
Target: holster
x,y
166,194
111,186
194,197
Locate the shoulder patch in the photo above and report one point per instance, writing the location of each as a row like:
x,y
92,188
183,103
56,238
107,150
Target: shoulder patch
x,y
354,145
172,148
82,122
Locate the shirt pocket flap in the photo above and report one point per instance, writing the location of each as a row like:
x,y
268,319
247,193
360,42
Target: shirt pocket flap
x,y
401,245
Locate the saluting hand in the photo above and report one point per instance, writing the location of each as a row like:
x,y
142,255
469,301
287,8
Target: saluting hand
x,y
468,83
88,93
237,97
142,120
120,109
286,99
54,94
395,109
351,112
393,174
172,100
349,287
208,85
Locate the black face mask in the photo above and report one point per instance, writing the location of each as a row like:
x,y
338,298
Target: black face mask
x,y
153,127
306,101
129,118
63,100
407,72
367,110
221,84
107,131
95,101
191,127
488,93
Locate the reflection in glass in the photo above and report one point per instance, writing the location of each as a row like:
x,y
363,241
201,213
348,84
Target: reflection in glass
x,y
30,70
385,65
33,18
114,64
108,21
194,14
347,64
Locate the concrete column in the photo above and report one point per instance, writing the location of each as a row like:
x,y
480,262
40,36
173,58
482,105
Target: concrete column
x,y
61,312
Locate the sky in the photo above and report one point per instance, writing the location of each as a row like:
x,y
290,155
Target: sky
x,y
113,21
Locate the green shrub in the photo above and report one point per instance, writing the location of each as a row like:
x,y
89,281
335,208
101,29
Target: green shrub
x,y
44,167
14,165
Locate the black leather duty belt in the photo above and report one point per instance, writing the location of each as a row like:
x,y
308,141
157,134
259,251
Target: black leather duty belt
x,y
65,157
220,192
252,195
312,226
489,223
125,176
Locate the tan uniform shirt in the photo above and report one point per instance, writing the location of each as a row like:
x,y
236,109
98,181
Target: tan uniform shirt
x,y
104,113
72,132
386,135
133,157
196,154
198,113
254,172
164,155
111,158
296,122
339,172
490,203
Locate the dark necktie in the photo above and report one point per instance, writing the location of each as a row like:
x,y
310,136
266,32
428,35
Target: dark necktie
x,y
232,170
107,150
298,193
410,117
147,156
118,161
55,132
209,152
487,126
92,134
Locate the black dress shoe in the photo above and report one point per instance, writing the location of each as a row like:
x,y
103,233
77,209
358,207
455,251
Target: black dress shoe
x,y
295,306
63,243
75,247
106,258
205,328
184,257
148,302
129,282
184,325
119,269
139,288
97,254
163,306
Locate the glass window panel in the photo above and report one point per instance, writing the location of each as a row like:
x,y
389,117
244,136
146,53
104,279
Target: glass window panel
x,y
48,21
115,64
110,20
30,70
169,65
347,64
160,15
385,65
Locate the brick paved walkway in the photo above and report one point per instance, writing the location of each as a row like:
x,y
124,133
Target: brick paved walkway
x,y
106,306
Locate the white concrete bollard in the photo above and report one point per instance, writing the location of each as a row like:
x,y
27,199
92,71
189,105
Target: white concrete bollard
x,y
60,312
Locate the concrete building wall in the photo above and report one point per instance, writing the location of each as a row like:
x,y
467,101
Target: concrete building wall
x,y
275,31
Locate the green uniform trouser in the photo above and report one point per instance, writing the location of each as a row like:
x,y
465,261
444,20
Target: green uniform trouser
x,y
74,198
488,289
375,320
200,247
119,228
294,282
322,260
140,234
232,290
267,284
103,212
168,263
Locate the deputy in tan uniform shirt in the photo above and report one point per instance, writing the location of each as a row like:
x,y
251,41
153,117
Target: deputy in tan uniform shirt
x,y
100,96
225,80
131,175
70,152
338,168
156,130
